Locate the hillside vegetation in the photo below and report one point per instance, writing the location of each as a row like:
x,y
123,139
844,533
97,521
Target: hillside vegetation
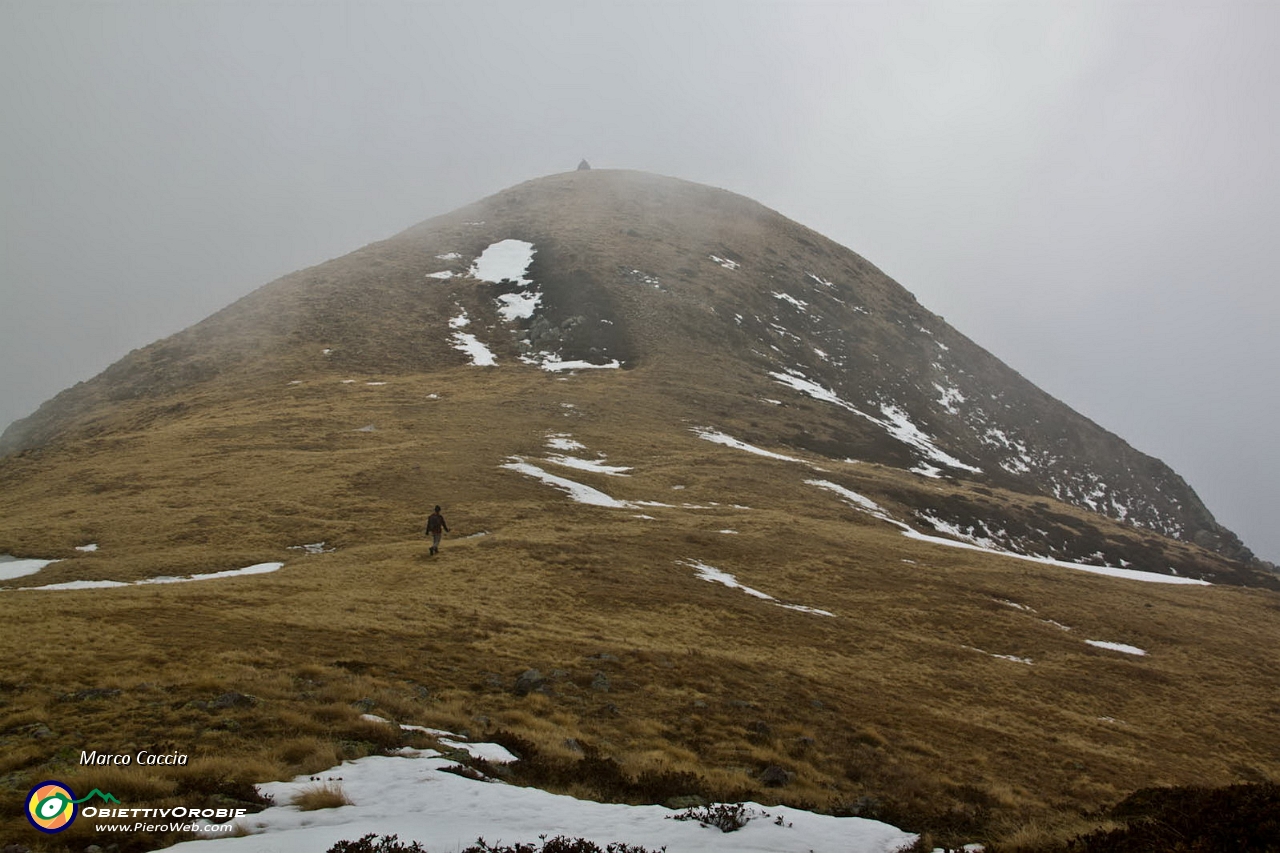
x,y
950,690
753,559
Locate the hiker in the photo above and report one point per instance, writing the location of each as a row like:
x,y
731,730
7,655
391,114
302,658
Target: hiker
x,y
436,526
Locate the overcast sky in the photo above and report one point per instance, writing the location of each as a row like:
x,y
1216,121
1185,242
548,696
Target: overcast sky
x,y
1089,190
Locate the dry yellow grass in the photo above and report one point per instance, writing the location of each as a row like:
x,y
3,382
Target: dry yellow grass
x,y
328,795
900,697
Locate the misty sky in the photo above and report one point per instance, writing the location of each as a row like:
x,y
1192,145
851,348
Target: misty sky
x,y
1089,190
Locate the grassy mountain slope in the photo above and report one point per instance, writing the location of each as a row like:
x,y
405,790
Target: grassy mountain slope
x,y
948,689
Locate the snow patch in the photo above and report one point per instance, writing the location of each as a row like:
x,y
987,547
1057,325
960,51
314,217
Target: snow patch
x,y
717,437
645,278
714,575
595,466
13,567
1117,647
518,306
313,548
862,502
1013,658
911,533
1015,605
551,362
260,568
506,260
577,492
409,795
564,441
950,397
725,262
895,421
479,354
786,297
901,427
1128,574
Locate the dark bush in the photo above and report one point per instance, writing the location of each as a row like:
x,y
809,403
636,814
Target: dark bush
x,y
465,772
559,844
726,817
1238,818
372,844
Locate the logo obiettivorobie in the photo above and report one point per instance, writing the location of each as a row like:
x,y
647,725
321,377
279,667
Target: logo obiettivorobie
x,y
51,806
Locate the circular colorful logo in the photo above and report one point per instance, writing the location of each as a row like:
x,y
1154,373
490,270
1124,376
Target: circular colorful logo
x,y
51,806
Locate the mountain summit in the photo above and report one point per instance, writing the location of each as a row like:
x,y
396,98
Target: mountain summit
x,y
735,313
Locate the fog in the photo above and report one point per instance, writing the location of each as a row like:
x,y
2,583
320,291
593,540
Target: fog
x,y
1090,191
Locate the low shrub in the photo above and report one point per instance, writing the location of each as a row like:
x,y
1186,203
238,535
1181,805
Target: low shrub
x,y
465,772
327,796
372,844
559,844
726,817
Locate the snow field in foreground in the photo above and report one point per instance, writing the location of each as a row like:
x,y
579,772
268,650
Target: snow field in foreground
x,y
409,795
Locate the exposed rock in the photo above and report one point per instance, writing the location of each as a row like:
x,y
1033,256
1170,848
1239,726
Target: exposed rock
x,y
776,776
232,699
528,682
600,682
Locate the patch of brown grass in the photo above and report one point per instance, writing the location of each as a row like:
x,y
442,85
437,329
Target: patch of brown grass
x,y
328,795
